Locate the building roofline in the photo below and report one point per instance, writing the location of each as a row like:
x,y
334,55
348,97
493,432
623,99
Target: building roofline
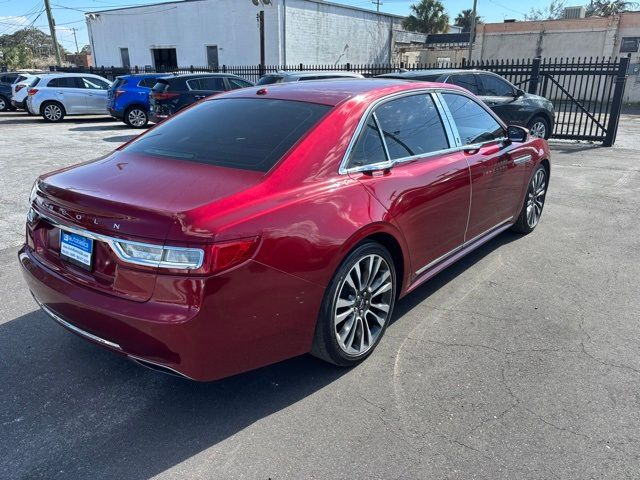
x,y
322,2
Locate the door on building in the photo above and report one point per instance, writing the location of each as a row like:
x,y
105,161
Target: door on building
x,y
124,55
212,56
164,58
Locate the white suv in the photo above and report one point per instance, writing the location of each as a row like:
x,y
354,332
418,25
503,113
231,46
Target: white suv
x,y
58,95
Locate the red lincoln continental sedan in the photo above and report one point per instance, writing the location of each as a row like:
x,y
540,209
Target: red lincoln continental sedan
x,y
265,223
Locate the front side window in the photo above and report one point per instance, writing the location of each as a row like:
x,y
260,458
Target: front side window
x,y
64,82
244,133
466,80
210,83
496,86
475,124
411,126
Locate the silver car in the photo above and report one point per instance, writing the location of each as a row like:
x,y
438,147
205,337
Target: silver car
x,y
282,77
58,95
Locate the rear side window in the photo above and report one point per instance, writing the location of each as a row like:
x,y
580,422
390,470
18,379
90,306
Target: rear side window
x,y
94,83
467,80
369,148
475,124
496,87
148,82
411,126
65,82
249,134
269,79
207,83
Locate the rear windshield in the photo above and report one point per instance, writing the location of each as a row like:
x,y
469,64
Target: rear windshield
x,y
118,83
244,133
269,79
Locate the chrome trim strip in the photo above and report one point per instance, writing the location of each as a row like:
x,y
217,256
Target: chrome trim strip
x,y
143,362
381,135
114,243
461,247
77,330
523,159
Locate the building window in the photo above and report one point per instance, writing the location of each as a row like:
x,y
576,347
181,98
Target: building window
x,y
124,55
212,56
629,44
164,58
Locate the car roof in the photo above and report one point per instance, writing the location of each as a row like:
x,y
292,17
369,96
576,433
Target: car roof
x,y
333,91
431,71
68,74
145,75
187,76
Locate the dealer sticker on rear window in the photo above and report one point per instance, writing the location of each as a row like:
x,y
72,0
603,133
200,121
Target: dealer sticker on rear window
x,y
76,249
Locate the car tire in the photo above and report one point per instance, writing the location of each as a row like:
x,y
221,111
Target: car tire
x,y
539,127
136,117
4,104
52,112
357,306
533,202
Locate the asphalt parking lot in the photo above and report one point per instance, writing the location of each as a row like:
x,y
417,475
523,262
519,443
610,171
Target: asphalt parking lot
x,y
522,361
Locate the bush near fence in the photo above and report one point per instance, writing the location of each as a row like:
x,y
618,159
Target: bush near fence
x,y
586,92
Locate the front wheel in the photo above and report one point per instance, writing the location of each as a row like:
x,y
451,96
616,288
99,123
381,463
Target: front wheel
x,y
539,127
136,117
4,104
357,306
533,202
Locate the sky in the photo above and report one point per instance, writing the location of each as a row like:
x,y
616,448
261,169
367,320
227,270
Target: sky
x,y
69,14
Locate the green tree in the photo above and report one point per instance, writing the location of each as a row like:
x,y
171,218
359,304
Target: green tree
x,y
427,16
464,20
553,11
16,57
38,42
607,8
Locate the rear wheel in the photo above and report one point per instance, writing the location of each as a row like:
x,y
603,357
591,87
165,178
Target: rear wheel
x,y
357,306
4,104
539,127
533,202
136,117
52,112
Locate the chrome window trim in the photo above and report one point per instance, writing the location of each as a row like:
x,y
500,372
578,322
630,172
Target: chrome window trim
x,y
381,136
114,244
344,169
462,246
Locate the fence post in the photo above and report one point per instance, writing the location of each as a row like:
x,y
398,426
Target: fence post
x,y
261,70
535,76
348,66
616,104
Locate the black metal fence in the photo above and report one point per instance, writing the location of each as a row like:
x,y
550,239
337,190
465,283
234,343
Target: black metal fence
x,y
586,92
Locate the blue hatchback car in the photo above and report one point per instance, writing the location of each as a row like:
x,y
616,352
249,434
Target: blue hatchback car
x,y
128,98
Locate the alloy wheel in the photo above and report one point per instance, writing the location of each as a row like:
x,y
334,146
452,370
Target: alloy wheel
x,y
53,112
539,129
3,104
535,197
137,118
363,305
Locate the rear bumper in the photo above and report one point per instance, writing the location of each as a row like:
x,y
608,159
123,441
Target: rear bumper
x,y
157,118
21,105
227,324
116,113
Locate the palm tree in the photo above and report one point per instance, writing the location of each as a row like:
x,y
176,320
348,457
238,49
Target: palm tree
x,y
606,8
464,20
427,16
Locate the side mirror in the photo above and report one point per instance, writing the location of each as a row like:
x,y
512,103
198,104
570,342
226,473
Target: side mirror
x,y
517,134
519,92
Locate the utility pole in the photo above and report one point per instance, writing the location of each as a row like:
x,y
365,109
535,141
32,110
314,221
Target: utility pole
x,y
76,39
377,3
472,33
52,30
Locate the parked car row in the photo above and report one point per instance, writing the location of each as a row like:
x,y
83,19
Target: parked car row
x,y
139,99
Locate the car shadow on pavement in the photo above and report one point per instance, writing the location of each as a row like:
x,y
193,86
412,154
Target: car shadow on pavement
x,y
69,409
103,128
119,138
24,119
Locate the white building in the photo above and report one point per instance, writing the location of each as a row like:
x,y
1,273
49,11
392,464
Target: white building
x,y
226,32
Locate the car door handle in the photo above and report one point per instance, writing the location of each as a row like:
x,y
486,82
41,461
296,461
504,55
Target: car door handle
x,y
484,149
200,97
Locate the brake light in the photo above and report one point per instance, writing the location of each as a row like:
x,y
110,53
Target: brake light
x,y
19,87
32,91
118,93
163,95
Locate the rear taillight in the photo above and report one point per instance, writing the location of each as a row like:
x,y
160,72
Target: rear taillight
x,y
229,254
19,87
163,95
117,93
32,91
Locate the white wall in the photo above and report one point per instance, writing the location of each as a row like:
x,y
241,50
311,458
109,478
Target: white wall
x,y
316,33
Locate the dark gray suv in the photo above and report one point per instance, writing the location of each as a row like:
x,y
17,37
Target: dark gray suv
x,y
511,104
